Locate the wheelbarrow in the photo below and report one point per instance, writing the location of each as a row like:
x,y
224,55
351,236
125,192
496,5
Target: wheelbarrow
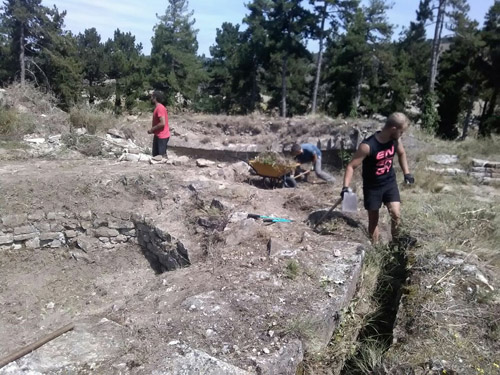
x,y
273,174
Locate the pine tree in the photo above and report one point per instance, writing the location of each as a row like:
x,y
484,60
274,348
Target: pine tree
x,y
223,69
332,11
91,54
254,54
127,66
174,64
288,26
458,80
367,33
23,22
490,120
414,44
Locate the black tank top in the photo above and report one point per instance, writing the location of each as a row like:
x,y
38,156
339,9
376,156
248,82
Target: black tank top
x,y
377,166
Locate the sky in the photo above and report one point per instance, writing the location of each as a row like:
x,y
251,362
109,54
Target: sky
x,y
139,17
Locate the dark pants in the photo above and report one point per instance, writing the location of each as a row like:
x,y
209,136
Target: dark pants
x,y
320,173
160,146
375,196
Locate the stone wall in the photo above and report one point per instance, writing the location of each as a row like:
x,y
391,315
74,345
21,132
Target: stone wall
x,y
66,229
58,229
163,251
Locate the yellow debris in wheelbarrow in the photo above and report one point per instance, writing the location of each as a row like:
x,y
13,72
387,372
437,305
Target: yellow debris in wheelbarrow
x,y
272,170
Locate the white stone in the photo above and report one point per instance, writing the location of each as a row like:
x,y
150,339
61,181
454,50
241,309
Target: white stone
x,y
37,141
7,239
443,158
203,163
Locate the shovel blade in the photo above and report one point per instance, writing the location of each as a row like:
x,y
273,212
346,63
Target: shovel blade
x,y
350,202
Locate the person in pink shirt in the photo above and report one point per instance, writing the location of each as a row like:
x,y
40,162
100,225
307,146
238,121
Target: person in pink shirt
x,y
159,126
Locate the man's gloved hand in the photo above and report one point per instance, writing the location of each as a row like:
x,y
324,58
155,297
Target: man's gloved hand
x,y
409,179
345,189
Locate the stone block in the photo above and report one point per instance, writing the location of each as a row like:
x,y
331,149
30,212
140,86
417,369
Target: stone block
x,y
129,232
56,227
56,244
42,227
70,233
119,239
71,224
14,220
85,225
48,236
120,224
6,239
203,163
85,215
56,215
37,216
164,236
106,232
24,229
24,237
99,222
193,361
33,243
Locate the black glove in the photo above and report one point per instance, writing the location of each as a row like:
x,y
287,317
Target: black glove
x,y
345,189
409,179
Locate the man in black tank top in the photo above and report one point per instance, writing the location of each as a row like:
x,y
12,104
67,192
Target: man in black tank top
x,y
376,153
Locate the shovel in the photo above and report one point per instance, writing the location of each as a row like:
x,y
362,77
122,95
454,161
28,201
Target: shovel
x,y
348,205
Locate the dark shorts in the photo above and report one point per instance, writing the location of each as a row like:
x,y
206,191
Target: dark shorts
x,y
375,196
160,146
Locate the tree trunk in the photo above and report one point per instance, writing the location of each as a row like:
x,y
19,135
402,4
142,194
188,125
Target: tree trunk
x,y
283,86
22,60
470,107
320,58
483,130
465,129
253,98
436,43
357,97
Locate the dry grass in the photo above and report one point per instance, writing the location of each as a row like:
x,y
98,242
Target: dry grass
x,y
93,120
28,110
447,312
355,317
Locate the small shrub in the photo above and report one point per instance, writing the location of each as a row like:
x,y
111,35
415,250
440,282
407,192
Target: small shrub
x,y
8,121
11,124
430,116
69,139
140,107
292,269
89,146
92,120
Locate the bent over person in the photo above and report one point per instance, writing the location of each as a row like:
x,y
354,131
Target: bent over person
x,y
308,153
376,153
159,125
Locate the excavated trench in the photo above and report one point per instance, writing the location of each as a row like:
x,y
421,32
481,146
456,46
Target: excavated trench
x,y
378,330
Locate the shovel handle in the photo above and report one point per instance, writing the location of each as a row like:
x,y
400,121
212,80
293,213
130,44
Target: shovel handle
x,y
328,213
28,349
302,174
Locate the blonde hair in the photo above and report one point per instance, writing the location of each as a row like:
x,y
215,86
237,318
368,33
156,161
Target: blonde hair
x,y
397,119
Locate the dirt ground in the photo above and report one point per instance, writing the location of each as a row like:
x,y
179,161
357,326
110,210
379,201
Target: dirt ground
x,y
253,289
43,289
